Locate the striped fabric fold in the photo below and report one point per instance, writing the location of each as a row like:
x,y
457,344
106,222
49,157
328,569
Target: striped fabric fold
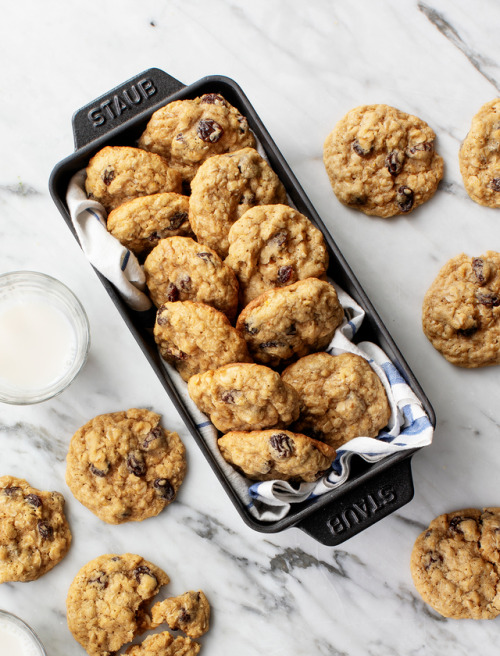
x,y
104,252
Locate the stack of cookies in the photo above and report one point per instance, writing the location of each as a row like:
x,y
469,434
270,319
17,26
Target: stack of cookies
x,y
238,277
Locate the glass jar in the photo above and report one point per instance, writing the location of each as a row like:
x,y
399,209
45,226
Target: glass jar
x,y
44,337
17,638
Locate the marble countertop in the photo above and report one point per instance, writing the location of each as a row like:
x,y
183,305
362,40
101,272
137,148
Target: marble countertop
x,y
303,66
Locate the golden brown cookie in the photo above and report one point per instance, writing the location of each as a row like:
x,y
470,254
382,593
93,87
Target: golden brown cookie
x,y
461,310
164,644
140,223
189,612
479,156
341,397
282,455
123,466
117,174
274,246
454,564
224,188
244,397
180,269
286,323
34,532
187,132
195,337
106,603
382,161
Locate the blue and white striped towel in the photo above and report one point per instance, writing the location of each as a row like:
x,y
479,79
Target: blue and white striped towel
x,y
104,252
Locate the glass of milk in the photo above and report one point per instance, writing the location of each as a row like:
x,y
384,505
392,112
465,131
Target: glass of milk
x,y
44,337
16,637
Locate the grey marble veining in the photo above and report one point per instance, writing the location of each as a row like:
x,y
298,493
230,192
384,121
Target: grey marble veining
x,y
303,66
483,63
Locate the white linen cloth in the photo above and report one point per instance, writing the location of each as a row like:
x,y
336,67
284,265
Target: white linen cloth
x,y
104,252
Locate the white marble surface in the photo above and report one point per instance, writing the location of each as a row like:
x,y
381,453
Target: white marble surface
x,y
302,65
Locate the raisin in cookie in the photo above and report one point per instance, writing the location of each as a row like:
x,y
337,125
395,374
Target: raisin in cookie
x,y
382,161
34,533
106,603
461,310
117,174
164,644
244,397
286,323
267,455
180,269
341,397
273,246
189,612
224,188
195,337
479,156
140,223
455,564
123,466
187,132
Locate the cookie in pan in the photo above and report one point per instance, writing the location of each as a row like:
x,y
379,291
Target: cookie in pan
x,y
124,466
195,337
117,174
286,323
140,223
189,613
461,310
187,132
244,397
382,161
479,156
181,269
34,532
164,644
455,564
224,188
107,598
341,397
273,246
269,454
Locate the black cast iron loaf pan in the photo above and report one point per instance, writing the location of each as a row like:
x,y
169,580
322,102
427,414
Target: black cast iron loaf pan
x,y
119,117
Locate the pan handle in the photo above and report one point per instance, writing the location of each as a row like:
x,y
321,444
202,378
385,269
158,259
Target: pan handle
x,y
362,506
122,103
